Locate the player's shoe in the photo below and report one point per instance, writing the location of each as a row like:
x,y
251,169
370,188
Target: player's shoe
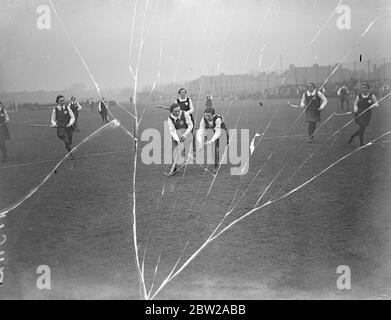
x,y
171,173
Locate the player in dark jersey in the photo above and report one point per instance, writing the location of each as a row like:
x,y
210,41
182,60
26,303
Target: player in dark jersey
x,y
313,101
75,107
186,104
212,120
343,94
178,120
102,107
63,118
362,111
4,132
208,100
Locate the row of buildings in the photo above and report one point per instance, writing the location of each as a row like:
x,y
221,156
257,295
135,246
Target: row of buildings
x,y
225,84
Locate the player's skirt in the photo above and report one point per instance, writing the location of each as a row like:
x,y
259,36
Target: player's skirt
x,y
344,98
65,133
364,118
4,133
312,115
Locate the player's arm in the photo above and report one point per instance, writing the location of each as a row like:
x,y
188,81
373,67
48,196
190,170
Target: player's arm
x,y
72,120
172,130
217,131
6,117
99,106
355,106
79,107
191,107
302,102
189,124
375,103
324,100
339,92
53,119
200,133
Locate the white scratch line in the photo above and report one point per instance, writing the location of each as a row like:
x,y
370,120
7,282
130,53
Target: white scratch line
x,y
36,188
74,45
324,24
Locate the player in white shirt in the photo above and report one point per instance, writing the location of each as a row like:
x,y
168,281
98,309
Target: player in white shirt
x,y
63,118
178,121
211,120
362,111
4,132
313,101
343,94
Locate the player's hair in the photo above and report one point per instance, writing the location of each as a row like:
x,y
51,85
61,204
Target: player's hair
x,y
59,97
173,106
179,91
365,84
73,97
312,84
210,110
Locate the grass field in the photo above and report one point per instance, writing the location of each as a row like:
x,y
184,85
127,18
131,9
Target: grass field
x,y
79,223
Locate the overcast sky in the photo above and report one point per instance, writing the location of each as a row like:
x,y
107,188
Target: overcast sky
x,y
194,37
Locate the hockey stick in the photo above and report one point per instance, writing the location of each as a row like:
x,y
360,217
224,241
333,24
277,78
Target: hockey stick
x,y
41,125
162,107
293,105
343,114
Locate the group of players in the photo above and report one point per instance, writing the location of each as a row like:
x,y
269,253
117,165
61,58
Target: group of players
x,y
64,117
181,121
314,101
181,124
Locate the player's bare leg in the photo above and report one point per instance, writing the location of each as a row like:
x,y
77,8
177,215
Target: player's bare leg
x,y
174,167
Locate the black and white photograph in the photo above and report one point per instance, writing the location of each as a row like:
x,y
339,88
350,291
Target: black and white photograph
x,y
211,150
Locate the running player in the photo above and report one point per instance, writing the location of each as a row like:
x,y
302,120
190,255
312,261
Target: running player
x,y
362,111
211,120
102,107
186,104
4,132
313,101
92,104
343,94
63,118
178,120
75,107
208,100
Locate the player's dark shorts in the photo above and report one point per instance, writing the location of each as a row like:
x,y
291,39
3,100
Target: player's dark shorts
x,y
312,115
4,133
364,118
65,133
